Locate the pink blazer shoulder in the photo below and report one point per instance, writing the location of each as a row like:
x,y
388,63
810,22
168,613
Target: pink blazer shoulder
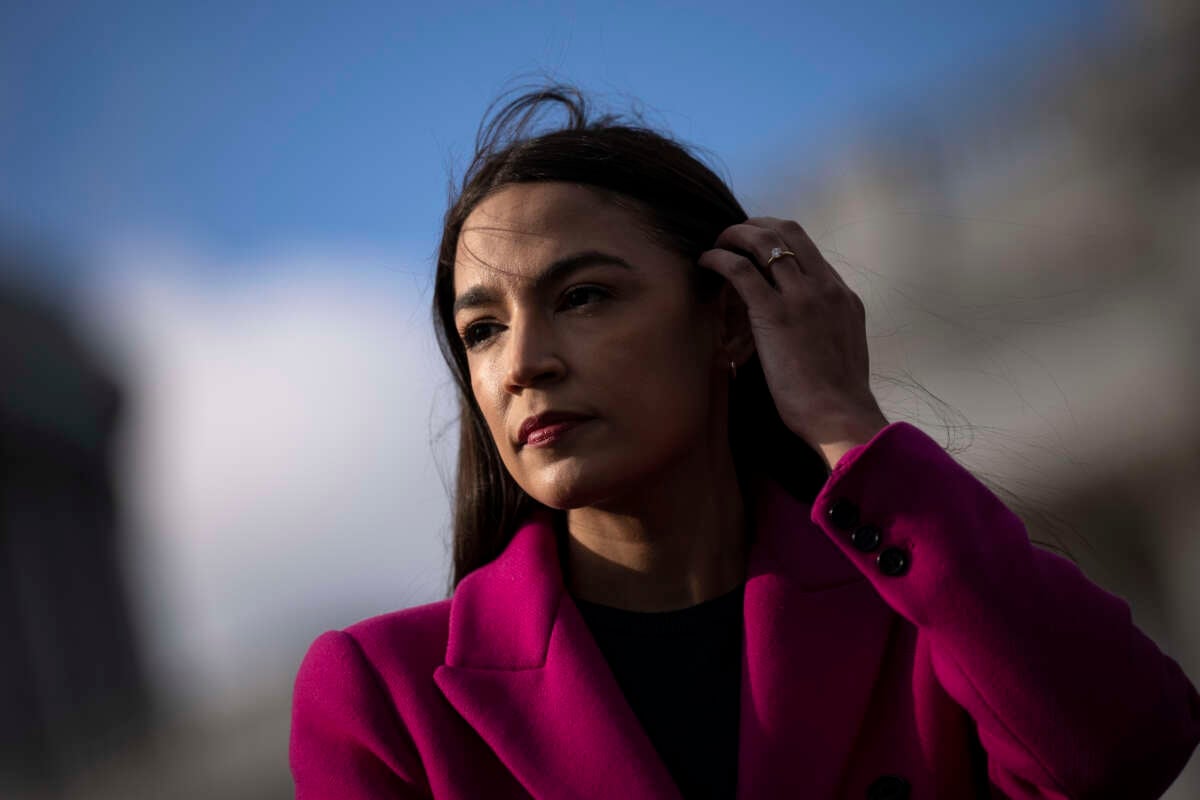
x,y
902,639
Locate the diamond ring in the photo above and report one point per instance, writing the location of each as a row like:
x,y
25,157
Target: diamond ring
x,y
777,253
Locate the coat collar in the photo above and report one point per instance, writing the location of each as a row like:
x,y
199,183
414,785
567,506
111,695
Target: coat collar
x,y
524,671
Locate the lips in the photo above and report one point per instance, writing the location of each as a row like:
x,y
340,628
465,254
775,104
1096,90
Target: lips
x,y
545,420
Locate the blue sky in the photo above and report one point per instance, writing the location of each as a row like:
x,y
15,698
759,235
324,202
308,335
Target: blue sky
x,y
237,127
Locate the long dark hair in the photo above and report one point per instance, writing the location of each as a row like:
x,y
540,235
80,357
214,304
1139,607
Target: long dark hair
x,y
681,202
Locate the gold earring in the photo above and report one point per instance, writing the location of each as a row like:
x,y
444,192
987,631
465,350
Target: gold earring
x,y
733,370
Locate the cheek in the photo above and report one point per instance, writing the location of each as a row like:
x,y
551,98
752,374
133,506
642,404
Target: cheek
x,y
492,401
488,398
661,375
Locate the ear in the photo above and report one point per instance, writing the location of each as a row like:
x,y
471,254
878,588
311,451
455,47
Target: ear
x,y
735,336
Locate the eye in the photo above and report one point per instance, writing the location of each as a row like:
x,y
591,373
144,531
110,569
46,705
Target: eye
x,y
578,296
477,333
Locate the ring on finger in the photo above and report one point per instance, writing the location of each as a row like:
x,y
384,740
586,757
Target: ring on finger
x,y
778,253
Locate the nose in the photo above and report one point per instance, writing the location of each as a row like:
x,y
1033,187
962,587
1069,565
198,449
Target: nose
x,y
532,356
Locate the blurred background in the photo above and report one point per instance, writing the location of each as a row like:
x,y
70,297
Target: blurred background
x,y
224,425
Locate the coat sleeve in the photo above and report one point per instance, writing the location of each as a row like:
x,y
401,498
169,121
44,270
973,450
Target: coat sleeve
x,y
347,740
1070,698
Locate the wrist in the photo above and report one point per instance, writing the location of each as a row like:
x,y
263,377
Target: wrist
x,y
834,437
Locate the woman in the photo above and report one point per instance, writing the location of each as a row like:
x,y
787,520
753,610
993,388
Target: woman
x,y
692,556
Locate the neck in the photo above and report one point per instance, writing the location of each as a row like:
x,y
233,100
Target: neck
x,y
675,540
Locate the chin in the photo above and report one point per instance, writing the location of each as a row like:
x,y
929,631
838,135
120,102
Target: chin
x,y
567,486
563,496
591,479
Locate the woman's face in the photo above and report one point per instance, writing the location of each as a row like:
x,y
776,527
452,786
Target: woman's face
x,y
565,305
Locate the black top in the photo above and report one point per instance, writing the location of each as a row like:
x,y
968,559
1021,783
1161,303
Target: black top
x,y
680,672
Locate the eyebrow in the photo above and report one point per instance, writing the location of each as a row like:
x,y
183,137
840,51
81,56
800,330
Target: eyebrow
x,y
558,270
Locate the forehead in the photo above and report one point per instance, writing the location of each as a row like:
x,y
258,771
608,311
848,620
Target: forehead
x,y
517,230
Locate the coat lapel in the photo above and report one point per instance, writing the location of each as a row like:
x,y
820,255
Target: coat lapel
x,y
815,635
524,671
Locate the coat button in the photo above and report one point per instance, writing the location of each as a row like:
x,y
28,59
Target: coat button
x,y
843,513
893,561
888,787
866,538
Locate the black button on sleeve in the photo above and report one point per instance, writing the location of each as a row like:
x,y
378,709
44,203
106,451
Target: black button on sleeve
x,y
893,561
866,538
889,787
843,513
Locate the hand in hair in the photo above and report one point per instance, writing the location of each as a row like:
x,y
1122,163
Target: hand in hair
x,y
809,330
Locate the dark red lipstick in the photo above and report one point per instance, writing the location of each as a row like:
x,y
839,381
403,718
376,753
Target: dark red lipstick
x,y
548,427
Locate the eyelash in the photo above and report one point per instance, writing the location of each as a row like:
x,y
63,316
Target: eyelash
x,y
472,338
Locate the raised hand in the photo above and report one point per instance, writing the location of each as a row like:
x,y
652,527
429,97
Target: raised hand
x,y
809,330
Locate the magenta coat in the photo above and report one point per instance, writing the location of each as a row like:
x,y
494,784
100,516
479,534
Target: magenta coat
x,y
856,683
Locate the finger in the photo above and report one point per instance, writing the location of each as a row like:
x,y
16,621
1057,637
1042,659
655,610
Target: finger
x,y
812,262
760,241
759,296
